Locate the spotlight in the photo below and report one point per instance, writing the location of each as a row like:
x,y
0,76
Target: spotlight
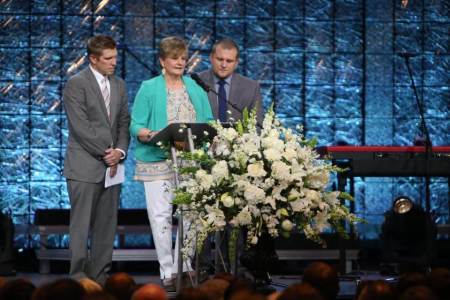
x,y
402,205
407,236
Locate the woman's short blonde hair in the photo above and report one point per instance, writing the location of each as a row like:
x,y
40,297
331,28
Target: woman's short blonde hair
x,y
172,46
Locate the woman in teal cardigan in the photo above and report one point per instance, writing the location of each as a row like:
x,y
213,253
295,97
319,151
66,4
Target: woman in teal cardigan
x,y
165,99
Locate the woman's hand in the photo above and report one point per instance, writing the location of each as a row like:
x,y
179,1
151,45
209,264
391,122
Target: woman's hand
x,y
145,135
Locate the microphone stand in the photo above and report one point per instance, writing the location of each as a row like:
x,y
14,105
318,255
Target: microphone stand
x,y
428,153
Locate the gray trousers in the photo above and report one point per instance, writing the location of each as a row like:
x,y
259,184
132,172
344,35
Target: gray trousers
x,y
93,223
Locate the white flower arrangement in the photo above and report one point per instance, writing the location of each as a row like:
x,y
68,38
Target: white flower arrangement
x,y
269,180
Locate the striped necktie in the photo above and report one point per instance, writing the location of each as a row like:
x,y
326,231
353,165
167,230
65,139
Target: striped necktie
x,y
106,95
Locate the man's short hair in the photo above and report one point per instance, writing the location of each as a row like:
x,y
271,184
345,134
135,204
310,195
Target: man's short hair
x,y
226,43
98,43
172,46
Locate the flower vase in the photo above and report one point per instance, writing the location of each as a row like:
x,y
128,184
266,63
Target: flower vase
x,y
260,259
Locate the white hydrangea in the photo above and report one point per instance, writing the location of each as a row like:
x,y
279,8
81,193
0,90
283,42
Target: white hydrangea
x,y
229,133
272,154
220,170
254,194
281,171
272,142
204,179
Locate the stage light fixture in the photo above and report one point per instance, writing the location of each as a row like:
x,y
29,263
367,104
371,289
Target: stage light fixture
x,y
402,205
408,235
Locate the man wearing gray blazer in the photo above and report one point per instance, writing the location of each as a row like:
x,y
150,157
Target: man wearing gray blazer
x,y
234,91
96,106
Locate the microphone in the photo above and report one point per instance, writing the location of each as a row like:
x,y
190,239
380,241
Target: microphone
x,y
407,54
207,89
202,84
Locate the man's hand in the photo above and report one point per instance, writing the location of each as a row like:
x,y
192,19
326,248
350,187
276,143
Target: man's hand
x,y
113,171
112,157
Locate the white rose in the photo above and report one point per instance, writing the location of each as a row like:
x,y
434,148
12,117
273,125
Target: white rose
x,y
318,180
287,225
256,169
243,217
227,200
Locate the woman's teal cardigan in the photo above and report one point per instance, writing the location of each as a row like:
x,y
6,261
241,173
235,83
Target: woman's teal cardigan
x,y
150,111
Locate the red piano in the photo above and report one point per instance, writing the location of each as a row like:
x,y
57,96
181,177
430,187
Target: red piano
x,y
381,161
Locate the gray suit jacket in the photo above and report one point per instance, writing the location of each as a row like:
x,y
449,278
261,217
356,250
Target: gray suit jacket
x,y
90,130
244,93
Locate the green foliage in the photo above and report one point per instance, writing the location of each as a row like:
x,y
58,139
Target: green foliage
x,y
182,197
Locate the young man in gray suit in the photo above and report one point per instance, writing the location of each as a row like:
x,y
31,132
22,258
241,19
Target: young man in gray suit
x,y
96,106
234,91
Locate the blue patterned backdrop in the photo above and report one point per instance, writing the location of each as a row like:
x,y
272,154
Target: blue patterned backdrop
x,y
328,65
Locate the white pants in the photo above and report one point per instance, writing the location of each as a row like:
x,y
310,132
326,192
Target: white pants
x,y
159,196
